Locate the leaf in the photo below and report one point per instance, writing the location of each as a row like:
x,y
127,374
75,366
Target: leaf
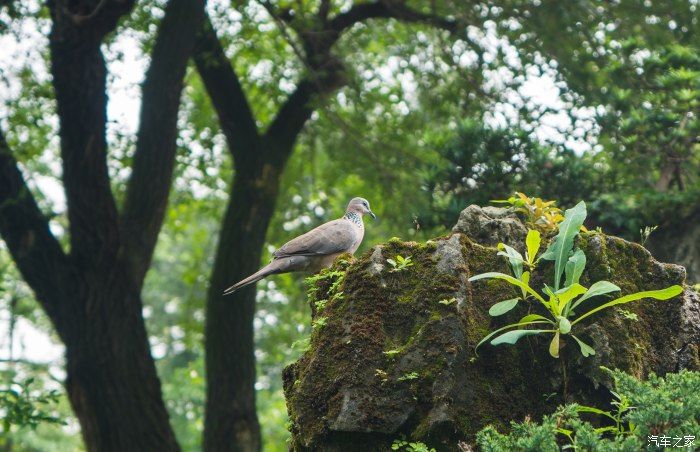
x,y
392,262
511,337
531,317
512,325
510,279
533,241
663,294
559,250
594,410
567,295
598,288
502,307
586,350
574,267
514,257
554,346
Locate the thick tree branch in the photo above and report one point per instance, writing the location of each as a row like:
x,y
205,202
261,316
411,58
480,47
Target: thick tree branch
x,y
154,159
26,232
226,93
91,18
79,80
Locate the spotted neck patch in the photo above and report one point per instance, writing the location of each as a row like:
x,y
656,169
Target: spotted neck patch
x,y
354,217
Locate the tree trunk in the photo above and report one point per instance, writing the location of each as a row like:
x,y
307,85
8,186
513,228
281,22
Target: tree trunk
x,y
111,380
231,420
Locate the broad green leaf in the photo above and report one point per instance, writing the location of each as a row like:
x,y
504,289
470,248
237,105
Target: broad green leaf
x,y
598,288
564,325
586,350
512,325
663,294
554,346
510,279
559,250
511,337
533,241
514,257
531,317
502,307
574,267
568,294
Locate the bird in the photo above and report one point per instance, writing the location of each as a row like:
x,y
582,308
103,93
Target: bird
x,y
318,248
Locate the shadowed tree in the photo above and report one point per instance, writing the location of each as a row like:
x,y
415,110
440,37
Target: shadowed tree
x,y
91,291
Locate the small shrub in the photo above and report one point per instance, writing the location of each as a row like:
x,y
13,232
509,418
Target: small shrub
x,y
400,263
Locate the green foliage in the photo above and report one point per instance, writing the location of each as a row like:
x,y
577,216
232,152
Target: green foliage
x,y
23,406
538,213
558,303
400,263
479,163
409,376
668,407
410,446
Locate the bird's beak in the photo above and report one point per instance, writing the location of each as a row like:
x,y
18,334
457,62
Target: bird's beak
x,y
374,217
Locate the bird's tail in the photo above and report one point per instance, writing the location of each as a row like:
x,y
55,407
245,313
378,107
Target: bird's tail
x,y
269,269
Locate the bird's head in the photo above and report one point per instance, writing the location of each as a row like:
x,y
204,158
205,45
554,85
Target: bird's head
x,y
361,207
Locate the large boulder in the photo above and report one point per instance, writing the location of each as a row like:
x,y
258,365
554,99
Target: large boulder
x,y
392,352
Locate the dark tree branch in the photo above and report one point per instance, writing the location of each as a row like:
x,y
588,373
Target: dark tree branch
x,y
91,18
26,232
79,80
388,9
154,159
226,93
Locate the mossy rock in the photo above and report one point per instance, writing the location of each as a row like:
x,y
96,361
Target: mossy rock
x,y
394,355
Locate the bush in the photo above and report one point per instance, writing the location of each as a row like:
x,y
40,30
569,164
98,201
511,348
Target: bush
x,y
662,411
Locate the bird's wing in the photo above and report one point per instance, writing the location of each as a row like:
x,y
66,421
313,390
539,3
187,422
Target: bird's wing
x,y
336,236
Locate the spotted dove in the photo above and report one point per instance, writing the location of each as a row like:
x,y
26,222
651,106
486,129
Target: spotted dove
x,y
317,248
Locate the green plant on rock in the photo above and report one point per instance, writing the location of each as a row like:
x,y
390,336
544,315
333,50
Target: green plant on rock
x,y
333,293
400,263
560,302
407,446
409,376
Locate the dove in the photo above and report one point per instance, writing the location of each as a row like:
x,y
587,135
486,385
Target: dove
x,y
317,248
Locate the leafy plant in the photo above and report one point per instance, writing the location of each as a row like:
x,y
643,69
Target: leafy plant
x,y
409,376
400,444
400,263
319,323
668,407
559,302
645,232
23,406
538,213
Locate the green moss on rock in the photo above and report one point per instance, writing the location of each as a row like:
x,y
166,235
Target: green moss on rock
x,y
396,357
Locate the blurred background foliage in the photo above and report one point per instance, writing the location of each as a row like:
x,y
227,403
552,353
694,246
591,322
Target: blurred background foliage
x,y
560,100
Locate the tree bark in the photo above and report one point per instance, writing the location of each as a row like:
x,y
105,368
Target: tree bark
x,y
231,419
111,379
